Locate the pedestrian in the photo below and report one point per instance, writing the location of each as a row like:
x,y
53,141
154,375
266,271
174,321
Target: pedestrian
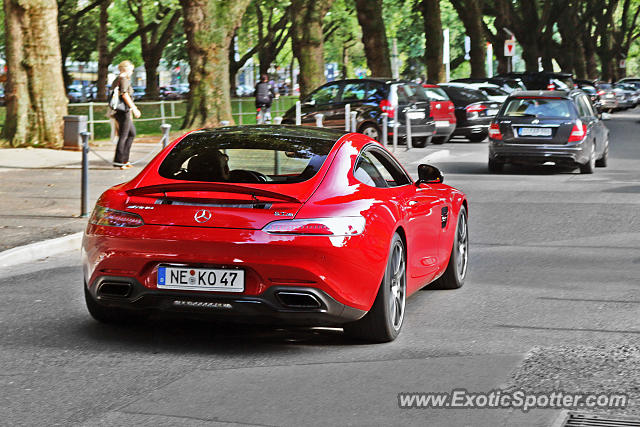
x,y
124,114
264,98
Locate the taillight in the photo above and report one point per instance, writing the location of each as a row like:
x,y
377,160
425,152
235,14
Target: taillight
x,y
494,131
578,132
386,107
601,92
551,86
345,226
114,218
473,111
451,106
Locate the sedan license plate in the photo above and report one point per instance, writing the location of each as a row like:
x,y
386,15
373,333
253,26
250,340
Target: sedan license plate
x,y
201,279
534,132
415,115
492,112
442,123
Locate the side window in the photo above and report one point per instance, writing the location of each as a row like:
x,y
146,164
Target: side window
x,y
376,91
326,94
354,91
589,106
376,169
583,108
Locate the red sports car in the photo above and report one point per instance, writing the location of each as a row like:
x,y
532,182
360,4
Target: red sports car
x,y
261,223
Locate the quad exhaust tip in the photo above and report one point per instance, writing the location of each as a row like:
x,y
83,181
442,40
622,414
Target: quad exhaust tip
x,y
291,299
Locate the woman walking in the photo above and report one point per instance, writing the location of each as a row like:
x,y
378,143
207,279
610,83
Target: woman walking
x,y
126,128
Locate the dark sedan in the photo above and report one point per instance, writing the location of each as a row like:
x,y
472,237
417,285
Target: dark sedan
x,y
542,127
474,110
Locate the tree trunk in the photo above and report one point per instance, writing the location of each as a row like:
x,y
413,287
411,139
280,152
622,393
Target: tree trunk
x,y
35,96
151,63
374,37
470,13
209,27
104,59
307,40
433,46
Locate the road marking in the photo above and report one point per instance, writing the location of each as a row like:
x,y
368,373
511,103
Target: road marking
x,y
436,155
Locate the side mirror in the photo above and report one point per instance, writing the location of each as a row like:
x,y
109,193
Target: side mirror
x,y
310,102
428,174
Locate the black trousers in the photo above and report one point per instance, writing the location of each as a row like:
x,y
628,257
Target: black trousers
x,y
126,134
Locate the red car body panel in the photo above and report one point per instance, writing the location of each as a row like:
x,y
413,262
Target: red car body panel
x,y
348,269
442,111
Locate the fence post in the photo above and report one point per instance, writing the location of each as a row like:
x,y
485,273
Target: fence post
x,y
409,145
395,131
385,127
298,113
353,120
165,134
162,111
240,111
84,185
91,119
347,117
319,118
173,109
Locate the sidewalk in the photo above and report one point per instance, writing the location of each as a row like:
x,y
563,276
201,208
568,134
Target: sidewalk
x,y
40,189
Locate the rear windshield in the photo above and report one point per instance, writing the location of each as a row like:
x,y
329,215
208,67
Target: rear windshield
x,y
245,158
436,94
538,107
494,91
461,95
411,92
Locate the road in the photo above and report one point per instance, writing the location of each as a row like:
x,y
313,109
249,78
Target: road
x,y
551,301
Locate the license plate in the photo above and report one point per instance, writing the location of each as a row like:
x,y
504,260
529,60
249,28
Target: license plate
x,y
201,279
534,132
492,112
415,115
442,123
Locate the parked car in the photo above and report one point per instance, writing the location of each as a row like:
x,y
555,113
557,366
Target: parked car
x,y
170,92
75,93
494,92
244,90
591,90
539,127
474,110
608,97
288,224
183,90
139,92
442,111
369,98
508,84
632,94
543,80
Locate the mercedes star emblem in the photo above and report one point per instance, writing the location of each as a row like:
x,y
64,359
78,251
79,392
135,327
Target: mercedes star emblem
x,y
202,215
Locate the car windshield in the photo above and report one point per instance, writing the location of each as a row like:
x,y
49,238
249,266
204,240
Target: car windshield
x,y
241,157
436,94
538,107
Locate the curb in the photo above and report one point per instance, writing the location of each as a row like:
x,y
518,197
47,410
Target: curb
x,y
39,250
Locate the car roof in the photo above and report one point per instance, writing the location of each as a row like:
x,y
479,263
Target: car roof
x,y
373,79
542,94
285,131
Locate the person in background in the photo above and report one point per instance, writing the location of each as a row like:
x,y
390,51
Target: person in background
x,y
264,98
126,128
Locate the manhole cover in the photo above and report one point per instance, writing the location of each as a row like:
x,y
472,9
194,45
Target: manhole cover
x,y
586,420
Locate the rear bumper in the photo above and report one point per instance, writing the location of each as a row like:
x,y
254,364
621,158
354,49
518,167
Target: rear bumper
x,y
269,307
445,131
537,153
472,130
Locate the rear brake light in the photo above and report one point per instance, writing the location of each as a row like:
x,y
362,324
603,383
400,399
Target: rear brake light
x,y
551,86
601,92
578,132
475,108
345,226
386,107
114,218
494,131
451,106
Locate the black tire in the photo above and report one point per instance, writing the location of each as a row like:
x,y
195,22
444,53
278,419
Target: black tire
x,y
456,272
604,160
421,142
589,167
106,314
371,131
477,138
383,322
495,166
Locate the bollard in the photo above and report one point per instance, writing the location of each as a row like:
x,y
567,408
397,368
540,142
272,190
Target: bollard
x,y
277,120
385,127
395,131
84,188
353,120
319,118
409,146
347,117
298,113
165,134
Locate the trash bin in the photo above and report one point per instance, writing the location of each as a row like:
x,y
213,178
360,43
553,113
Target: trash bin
x,y
73,125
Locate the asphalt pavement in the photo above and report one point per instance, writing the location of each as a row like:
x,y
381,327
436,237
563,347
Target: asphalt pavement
x,y
551,302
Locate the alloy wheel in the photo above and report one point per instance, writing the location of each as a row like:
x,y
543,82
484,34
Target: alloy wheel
x,y
398,283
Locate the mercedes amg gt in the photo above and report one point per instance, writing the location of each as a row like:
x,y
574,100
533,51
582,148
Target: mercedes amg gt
x,y
297,225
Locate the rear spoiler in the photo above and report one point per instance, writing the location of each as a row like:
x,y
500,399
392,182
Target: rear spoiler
x,y
210,186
